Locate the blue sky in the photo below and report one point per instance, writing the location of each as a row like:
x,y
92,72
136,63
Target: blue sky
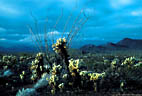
x,y
110,20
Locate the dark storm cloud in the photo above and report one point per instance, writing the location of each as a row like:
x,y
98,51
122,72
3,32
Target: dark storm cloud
x,y
110,20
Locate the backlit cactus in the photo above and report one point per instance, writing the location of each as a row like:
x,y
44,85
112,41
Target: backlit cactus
x,y
37,67
56,69
60,45
95,76
73,66
67,75
129,62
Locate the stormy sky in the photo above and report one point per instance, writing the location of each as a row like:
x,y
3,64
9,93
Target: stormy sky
x,y
109,20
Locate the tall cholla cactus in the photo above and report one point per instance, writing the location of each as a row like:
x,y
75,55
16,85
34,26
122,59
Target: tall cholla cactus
x,y
60,48
37,66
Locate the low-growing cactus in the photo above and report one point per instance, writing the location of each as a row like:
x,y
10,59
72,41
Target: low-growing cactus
x,y
129,62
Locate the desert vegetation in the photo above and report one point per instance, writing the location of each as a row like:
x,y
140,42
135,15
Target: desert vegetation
x,y
87,74
61,72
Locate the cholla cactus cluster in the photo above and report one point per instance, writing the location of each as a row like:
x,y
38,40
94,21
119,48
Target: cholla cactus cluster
x,y
60,48
139,64
96,76
129,62
53,83
9,58
39,56
34,71
37,67
73,66
83,73
23,59
7,61
114,63
60,45
56,69
61,87
74,76
22,75
55,78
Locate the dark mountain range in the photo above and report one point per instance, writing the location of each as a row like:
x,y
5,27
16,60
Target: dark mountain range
x,y
131,43
21,48
17,48
125,44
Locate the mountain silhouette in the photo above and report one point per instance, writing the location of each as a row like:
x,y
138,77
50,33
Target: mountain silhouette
x,y
125,44
131,43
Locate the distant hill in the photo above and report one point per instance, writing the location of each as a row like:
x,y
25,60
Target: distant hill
x,y
21,48
18,48
125,44
131,43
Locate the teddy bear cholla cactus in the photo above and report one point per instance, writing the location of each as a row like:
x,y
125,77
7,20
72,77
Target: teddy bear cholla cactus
x,y
73,66
73,76
54,79
8,61
56,69
61,87
37,67
129,62
96,76
53,83
59,46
